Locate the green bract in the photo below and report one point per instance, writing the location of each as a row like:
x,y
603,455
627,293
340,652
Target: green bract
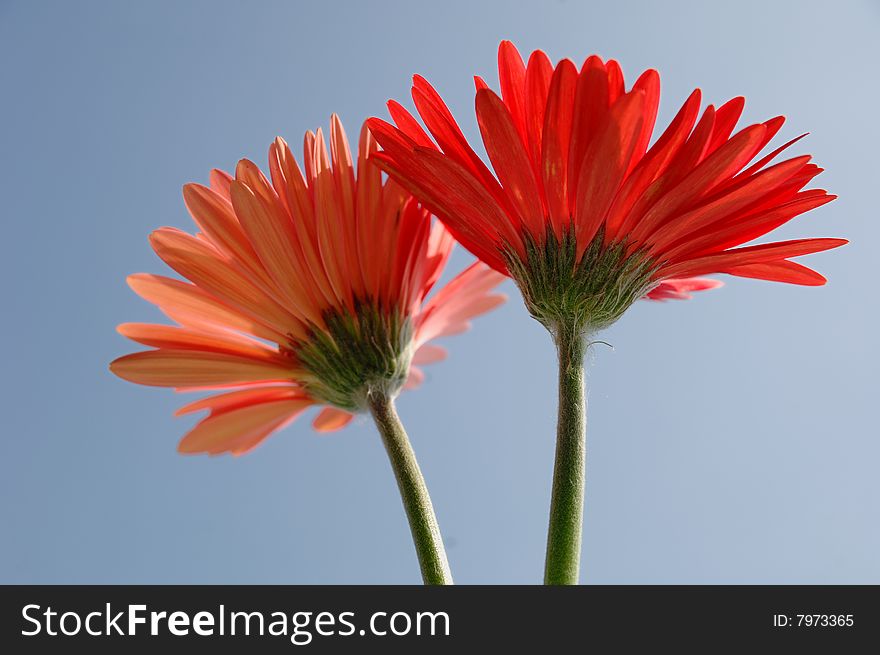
x,y
358,354
580,296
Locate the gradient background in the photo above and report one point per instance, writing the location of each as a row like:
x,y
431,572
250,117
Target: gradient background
x,y
732,438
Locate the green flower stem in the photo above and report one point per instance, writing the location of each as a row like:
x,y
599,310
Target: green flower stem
x,y
567,500
413,492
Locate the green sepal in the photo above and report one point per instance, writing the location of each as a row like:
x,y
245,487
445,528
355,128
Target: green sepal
x,y
583,296
367,351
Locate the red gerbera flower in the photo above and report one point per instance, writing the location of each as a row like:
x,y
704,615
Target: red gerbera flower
x,y
575,176
588,215
306,290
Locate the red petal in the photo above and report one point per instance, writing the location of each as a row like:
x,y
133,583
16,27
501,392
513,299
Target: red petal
x,y
726,117
615,81
739,230
442,125
557,135
605,164
681,288
755,188
408,124
682,163
758,165
509,158
781,271
468,211
590,107
538,74
717,167
468,197
749,255
652,165
649,82
512,76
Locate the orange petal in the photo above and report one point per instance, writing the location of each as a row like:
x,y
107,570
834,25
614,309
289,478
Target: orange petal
x,y
230,400
415,378
219,181
193,368
331,419
241,429
177,338
464,297
273,238
189,305
206,268
214,214
429,354
330,228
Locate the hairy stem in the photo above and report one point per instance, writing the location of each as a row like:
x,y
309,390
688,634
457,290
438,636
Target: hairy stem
x,y
567,499
413,492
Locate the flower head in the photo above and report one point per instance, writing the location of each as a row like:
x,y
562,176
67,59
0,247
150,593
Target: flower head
x,y
580,211
309,289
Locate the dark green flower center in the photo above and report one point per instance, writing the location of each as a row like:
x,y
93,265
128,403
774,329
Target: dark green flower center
x,y
369,351
580,296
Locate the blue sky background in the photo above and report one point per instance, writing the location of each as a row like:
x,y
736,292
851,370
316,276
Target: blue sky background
x,y
732,438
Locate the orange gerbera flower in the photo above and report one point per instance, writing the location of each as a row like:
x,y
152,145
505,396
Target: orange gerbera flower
x,y
306,290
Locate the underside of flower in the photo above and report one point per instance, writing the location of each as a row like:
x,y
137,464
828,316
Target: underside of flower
x,y
586,295
572,150
312,286
357,355
587,211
